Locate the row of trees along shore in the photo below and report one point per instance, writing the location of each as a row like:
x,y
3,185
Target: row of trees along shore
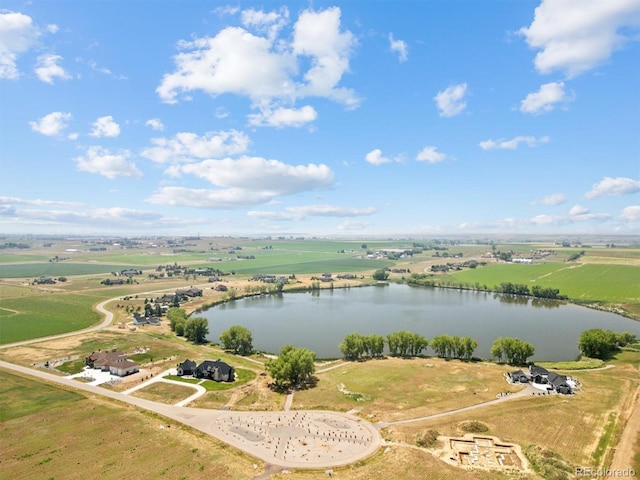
x,y
506,288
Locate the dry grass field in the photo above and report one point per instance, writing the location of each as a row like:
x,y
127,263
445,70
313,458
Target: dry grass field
x,y
47,432
394,388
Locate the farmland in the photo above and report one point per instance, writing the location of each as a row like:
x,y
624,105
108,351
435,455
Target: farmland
x,y
584,426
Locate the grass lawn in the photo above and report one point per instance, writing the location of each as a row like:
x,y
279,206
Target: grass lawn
x,y
48,432
163,392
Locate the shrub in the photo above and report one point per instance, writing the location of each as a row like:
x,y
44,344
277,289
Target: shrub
x,y
427,439
474,426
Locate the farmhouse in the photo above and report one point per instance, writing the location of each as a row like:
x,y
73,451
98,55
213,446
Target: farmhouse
x,y
141,320
189,292
542,376
188,367
113,362
215,370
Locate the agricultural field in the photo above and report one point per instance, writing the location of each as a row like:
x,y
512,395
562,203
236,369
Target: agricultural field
x,y
591,421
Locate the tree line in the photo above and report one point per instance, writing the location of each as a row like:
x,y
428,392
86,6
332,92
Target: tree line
x,y
506,288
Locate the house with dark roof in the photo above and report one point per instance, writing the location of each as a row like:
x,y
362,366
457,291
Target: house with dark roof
x,y
542,376
142,320
188,367
215,370
114,362
189,292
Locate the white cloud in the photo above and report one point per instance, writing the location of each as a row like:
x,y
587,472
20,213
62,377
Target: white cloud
x,y
575,36
400,47
242,182
47,68
17,35
188,147
306,211
283,117
204,198
52,28
578,210
267,69
431,155
630,214
52,124
545,99
317,35
155,123
105,127
270,22
111,165
375,157
450,101
613,186
512,144
260,174
553,199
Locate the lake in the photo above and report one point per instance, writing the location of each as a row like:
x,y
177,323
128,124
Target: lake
x,y
320,320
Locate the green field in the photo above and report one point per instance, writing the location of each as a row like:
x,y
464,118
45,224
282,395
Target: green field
x,y
57,269
45,314
588,282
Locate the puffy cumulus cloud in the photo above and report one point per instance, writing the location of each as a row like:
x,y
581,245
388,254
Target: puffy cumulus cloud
x,y
552,199
545,99
105,127
18,34
574,36
399,47
52,124
234,61
430,155
613,186
317,35
47,68
260,174
451,100
267,67
630,214
375,157
578,210
283,117
155,123
242,182
111,165
513,143
187,147
306,211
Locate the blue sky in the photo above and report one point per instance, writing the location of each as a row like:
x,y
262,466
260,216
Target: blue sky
x,y
424,118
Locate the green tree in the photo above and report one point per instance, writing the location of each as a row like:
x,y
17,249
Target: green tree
x,y
374,345
238,339
380,275
196,329
175,316
292,367
352,346
599,343
512,350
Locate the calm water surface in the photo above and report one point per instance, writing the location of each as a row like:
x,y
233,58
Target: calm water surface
x,y
319,321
